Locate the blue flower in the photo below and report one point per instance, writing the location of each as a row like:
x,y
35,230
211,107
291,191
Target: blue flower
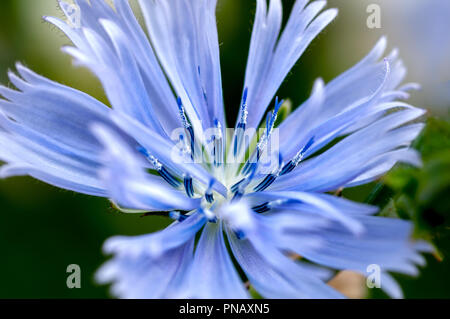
x,y
151,152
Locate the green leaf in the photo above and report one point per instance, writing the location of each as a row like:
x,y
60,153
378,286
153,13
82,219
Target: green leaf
x,y
423,194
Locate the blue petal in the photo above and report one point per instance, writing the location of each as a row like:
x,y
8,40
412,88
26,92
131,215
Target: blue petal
x,y
129,185
390,286
386,162
348,207
156,244
346,103
353,156
213,274
146,95
145,276
155,265
55,176
317,203
385,242
277,281
38,105
362,80
261,254
270,59
184,35
41,138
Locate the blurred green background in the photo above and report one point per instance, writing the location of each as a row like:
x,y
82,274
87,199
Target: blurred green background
x,y
44,229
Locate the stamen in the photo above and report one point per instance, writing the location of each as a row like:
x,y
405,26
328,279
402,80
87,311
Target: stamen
x,y
262,143
274,115
209,194
289,167
237,196
248,166
244,108
168,177
240,129
188,185
235,187
271,119
187,125
184,120
162,171
208,214
177,216
184,148
239,234
239,188
299,156
143,151
267,206
209,197
218,144
262,208
269,179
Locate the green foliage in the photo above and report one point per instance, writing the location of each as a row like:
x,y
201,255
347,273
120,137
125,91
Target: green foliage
x,y
422,194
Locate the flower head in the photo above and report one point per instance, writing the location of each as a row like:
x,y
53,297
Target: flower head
x,y
163,146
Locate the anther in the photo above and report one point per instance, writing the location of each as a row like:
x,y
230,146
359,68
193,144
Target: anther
x,y
209,193
177,216
186,125
162,171
168,177
218,144
262,143
262,208
237,195
208,214
269,179
240,128
289,167
189,186
239,234
267,206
